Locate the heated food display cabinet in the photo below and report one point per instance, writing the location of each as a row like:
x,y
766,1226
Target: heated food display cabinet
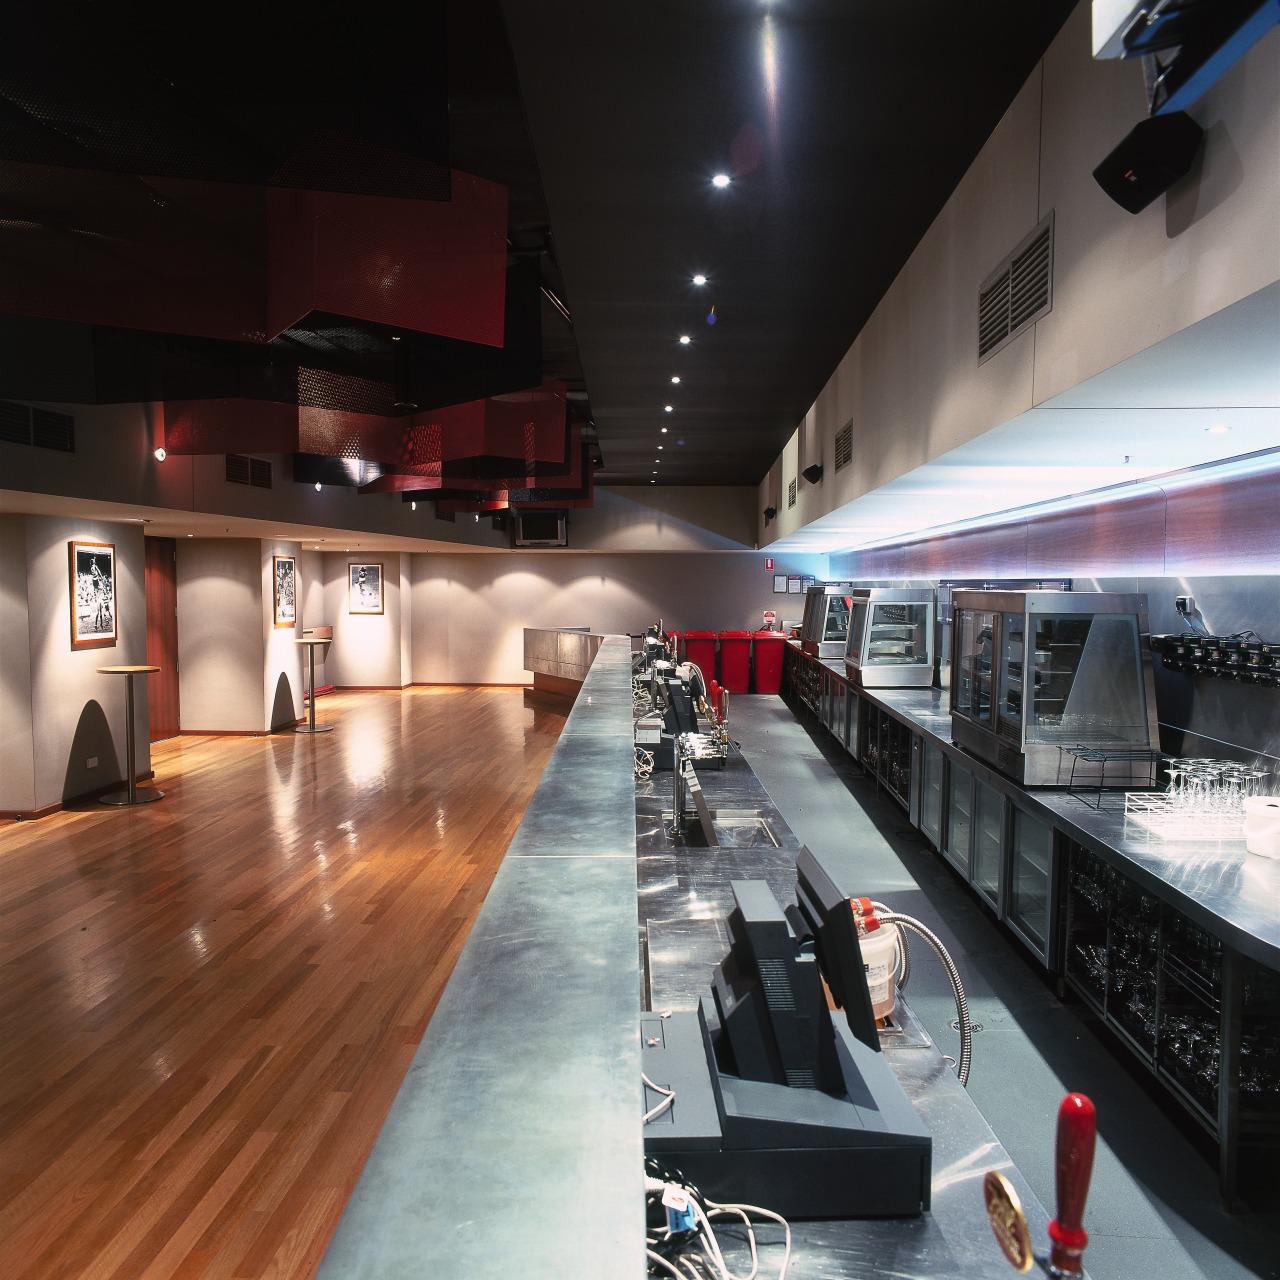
x,y
890,642
1054,688
826,621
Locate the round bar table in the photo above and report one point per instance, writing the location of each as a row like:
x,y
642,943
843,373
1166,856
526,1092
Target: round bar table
x,y
131,794
311,727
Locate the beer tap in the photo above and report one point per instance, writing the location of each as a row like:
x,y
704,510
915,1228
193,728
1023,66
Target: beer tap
x,y
1077,1135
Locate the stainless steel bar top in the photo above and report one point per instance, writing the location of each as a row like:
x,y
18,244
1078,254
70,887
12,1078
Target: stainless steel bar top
x,y
1217,883
514,1147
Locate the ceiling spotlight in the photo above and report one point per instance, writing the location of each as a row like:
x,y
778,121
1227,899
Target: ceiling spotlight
x,y
413,506
813,473
667,408
191,535
161,454
699,279
664,431
769,513
685,339
660,446
395,337
721,180
675,378
317,486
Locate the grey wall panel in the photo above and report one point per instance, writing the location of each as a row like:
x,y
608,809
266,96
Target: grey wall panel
x,y
1125,537
1227,526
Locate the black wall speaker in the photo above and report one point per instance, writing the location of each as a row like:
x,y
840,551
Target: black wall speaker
x,y
1156,153
813,473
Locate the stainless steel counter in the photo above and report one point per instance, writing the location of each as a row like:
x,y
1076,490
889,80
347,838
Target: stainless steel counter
x,y
1219,884
685,899
514,1148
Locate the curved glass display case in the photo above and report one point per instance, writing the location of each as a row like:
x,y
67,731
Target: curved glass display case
x,y
826,621
1054,688
890,642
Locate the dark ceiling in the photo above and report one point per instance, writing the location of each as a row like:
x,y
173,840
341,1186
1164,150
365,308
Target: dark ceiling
x,y
139,151
845,126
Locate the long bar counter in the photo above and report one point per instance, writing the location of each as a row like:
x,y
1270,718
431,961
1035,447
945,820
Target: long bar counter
x,y
1198,920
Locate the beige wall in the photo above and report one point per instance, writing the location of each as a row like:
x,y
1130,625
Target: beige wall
x,y
911,382
75,714
283,677
368,649
221,652
469,612
17,748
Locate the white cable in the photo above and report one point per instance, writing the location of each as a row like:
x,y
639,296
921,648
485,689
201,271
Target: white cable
x,y
751,1240
662,1262
764,1213
668,1097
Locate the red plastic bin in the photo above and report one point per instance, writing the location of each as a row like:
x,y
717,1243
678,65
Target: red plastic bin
x,y
769,648
735,661
700,649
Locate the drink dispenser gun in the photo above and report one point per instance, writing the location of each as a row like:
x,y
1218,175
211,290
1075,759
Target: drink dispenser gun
x,y
1077,1134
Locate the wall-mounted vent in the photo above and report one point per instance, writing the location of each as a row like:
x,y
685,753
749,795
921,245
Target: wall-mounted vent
x,y
51,430
43,428
791,494
844,446
252,471
1017,293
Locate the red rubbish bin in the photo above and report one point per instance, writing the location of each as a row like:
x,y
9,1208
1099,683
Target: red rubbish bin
x,y
735,660
700,649
769,647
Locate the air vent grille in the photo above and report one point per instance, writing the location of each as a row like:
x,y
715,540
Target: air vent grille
x,y
50,430
791,494
777,986
844,446
43,428
15,423
1018,292
251,471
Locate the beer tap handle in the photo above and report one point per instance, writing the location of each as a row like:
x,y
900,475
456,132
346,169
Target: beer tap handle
x,y
1077,1134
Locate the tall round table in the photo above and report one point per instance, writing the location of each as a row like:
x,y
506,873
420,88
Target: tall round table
x,y
131,794
311,727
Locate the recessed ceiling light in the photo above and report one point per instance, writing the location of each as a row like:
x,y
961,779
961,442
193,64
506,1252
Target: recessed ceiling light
x,y
395,337
664,431
317,486
668,407
675,378
191,535
1218,429
660,446
413,506
721,180
685,339
699,279
655,473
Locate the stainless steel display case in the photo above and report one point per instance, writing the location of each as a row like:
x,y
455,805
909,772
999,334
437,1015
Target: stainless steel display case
x,y
826,621
890,641
1054,688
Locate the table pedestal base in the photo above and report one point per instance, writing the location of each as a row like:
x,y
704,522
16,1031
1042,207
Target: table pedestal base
x,y
313,728
139,795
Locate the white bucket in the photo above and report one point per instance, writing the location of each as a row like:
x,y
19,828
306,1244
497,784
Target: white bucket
x,y
880,958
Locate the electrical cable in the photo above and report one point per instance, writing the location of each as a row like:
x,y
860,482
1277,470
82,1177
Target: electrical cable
x,y
668,1097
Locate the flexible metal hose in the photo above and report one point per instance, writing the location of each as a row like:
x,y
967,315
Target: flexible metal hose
x,y
904,949
962,1005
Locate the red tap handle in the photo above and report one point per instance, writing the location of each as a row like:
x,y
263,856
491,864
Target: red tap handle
x,y
1077,1133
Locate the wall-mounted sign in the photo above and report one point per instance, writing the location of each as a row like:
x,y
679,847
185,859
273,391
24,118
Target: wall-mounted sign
x,y
780,584
364,588
770,620
284,576
768,564
793,585
93,595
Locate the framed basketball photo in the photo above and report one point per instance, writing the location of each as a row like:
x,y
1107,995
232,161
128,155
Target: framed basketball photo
x,y
364,588
93,595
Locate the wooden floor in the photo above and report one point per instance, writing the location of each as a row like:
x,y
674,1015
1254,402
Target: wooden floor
x,y
208,1003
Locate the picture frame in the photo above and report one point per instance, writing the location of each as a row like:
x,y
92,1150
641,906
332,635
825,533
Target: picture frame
x,y
93,594
284,579
779,584
364,588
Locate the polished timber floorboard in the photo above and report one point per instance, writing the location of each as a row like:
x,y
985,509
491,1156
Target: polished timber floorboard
x,y
207,1004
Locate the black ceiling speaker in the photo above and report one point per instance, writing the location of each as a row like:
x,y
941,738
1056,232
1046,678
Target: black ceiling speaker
x,y
1155,154
813,473
769,513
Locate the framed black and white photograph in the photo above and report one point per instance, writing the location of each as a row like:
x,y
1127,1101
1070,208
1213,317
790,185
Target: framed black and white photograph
x,y
364,588
93,595
284,574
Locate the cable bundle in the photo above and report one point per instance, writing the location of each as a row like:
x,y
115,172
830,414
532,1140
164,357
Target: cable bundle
x,y
682,1240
